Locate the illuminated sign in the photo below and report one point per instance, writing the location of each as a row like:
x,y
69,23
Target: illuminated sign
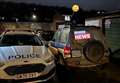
x,y
79,35
75,8
67,18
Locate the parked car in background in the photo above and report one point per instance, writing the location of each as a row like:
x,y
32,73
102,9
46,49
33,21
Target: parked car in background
x,y
80,46
46,35
25,58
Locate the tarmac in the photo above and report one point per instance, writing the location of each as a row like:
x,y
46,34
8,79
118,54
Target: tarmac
x,y
109,73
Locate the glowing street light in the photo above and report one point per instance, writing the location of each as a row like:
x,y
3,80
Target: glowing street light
x,y
34,17
75,8
3,18
16,19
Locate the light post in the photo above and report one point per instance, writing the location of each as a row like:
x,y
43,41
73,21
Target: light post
x,y
75,9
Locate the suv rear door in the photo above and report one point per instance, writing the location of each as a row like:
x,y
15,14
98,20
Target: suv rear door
x,y
88,42
78,37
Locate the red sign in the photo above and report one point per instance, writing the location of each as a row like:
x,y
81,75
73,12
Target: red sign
x,y
82,36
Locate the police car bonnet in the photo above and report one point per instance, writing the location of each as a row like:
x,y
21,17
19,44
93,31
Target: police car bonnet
x,y
21,52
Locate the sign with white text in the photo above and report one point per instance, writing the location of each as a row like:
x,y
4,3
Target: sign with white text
x,y
81,35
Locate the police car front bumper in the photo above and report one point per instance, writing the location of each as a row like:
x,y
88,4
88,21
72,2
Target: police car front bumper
x,y
9,71
42,78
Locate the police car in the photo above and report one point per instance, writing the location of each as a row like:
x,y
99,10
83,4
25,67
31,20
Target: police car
x,y
25,58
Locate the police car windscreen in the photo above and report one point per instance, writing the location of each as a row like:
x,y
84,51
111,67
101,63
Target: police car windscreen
x,y
11,40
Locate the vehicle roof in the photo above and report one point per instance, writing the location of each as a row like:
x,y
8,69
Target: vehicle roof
x,y
19,33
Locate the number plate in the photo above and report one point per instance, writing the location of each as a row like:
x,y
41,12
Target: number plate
x,y
26,75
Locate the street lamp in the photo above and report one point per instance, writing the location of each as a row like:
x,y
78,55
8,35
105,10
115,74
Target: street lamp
x,y
34,17
3,18
75,15
75,8
16,19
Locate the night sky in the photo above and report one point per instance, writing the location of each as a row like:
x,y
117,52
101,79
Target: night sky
x,y
84,4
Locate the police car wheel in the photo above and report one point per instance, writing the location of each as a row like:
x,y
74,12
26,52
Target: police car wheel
x,y
54,79
6,81
10,82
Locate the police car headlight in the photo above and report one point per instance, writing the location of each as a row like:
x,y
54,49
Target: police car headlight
x,y
1,64
48,60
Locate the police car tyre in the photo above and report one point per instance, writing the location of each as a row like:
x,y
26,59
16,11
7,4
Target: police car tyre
x,y
6,81
93,51
55,79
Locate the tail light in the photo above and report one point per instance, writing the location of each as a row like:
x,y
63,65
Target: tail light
x,y
66,50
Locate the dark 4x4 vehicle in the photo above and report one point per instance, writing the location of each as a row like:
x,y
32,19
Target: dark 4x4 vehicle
x,y
80,46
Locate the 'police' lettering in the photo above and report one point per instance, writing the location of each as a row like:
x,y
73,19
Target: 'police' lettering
x,y
24,56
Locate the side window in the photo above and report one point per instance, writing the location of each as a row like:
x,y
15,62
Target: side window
x,y
56,36
64,36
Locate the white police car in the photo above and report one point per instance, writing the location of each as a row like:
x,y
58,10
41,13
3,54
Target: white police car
x,y
24,58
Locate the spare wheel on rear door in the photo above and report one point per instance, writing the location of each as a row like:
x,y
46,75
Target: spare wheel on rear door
x,y
93,51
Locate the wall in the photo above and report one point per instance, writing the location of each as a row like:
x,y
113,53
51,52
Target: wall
x,y
112,32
